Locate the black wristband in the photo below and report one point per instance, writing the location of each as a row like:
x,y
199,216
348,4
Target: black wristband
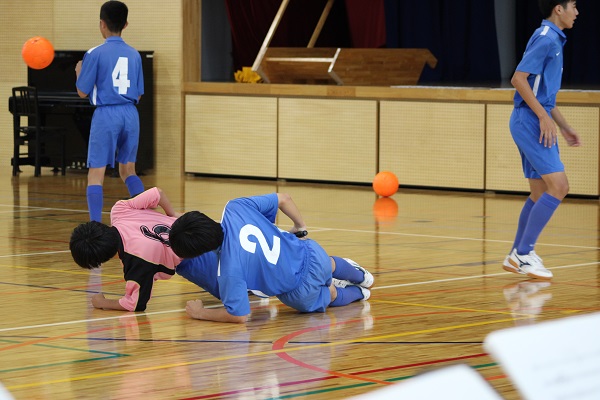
x,y
301,234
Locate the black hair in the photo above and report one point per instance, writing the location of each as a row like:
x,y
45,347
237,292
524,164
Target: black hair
x,y
546,6
194,234
114,14
94,243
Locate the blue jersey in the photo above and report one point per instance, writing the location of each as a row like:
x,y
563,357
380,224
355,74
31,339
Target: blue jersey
x,y
543,60
111,74
255,254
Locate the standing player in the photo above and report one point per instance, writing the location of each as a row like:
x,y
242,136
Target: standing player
x,y
111,75
139,235
254,254
533,127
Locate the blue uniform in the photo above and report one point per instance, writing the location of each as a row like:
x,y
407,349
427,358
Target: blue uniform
x,y
257,255
543,60
111,75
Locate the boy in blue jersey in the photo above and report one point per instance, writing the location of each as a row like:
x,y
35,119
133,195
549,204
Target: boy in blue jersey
x,y
111,75
537,80
254,254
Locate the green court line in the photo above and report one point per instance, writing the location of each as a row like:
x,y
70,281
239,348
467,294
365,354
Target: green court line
x,y
109,353
401,378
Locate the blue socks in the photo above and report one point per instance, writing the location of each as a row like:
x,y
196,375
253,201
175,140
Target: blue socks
x,y
134,185
345,271
540,214
95,198
346,296
523,221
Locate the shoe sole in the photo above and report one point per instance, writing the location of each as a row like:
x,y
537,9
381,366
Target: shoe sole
x,y
511,268
516,270
532,275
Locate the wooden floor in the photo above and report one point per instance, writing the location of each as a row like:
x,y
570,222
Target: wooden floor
x,y
439,290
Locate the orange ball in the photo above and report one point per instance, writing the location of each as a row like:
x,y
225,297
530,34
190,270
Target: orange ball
x,y
385,209
37,52
385,184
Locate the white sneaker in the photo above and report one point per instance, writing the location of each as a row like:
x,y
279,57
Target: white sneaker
x,y
509,267
368,279
528,264
342,283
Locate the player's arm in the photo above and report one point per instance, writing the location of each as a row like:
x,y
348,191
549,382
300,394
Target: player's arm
x,y
166,205
289,208
547,126
101,302
77,72
196,310
571,136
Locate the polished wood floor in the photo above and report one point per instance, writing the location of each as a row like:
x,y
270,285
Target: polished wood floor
x,y
439,290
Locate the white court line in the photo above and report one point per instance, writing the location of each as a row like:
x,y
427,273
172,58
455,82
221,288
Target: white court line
x,y
85,321
462,278
34,254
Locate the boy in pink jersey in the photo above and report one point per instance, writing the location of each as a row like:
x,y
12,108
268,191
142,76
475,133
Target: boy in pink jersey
x,y
140,237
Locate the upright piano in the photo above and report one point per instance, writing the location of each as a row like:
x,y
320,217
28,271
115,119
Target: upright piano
x,y
60,105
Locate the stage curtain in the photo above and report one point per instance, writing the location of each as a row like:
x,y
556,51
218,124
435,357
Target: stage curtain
x,y
461,34
581,57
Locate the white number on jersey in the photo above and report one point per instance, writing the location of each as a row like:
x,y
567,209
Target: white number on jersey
x,y
120,75
272,255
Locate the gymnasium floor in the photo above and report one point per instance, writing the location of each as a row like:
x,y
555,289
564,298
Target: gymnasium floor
x,y
439,290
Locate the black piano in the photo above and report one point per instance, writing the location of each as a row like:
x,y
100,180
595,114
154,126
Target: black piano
x,y
60,105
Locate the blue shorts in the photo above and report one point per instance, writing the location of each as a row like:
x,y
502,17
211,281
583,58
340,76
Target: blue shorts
x,y
202,271
536,159
114,130
312,295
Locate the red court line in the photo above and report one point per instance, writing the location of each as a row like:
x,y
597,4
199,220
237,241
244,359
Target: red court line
x,y
280,343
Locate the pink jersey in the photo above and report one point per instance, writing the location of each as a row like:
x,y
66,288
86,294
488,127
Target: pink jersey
x,y
145,251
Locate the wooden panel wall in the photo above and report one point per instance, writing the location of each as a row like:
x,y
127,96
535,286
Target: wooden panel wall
x,y
433,144
231,135
503,163
329,140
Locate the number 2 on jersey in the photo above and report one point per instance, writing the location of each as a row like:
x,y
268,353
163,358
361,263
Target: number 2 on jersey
x,y
120,75
271,254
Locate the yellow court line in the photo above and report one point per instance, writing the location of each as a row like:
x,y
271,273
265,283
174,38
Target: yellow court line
x,y
76,270
450,308
261,353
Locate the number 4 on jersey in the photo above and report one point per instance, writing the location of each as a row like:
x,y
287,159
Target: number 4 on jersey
x,y
120,75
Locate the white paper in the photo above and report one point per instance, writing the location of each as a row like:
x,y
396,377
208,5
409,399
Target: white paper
x,y
554,360
456,382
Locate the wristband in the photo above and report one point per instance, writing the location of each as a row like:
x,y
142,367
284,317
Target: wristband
x,y
301,234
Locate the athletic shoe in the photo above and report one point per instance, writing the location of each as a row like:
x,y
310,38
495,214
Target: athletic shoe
x,y
509,267
528,264
342,283
365,292
368,279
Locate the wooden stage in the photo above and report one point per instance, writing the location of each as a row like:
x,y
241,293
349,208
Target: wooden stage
x,y
439,291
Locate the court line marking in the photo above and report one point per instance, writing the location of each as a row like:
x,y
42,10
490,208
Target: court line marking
x,y
256,354
257,301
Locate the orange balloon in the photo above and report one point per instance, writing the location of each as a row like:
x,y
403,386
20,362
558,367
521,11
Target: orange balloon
x,y
37,52
385,183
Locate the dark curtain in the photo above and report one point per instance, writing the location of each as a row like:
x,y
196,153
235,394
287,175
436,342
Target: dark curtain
x,y
251,19
461,34
366,20
581,56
